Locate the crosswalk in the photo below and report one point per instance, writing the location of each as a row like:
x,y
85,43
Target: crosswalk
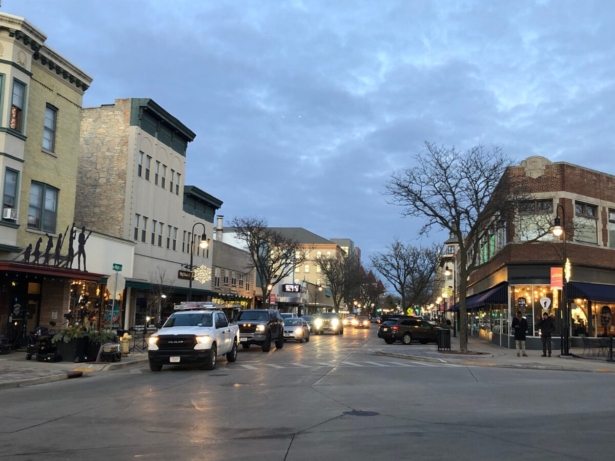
x,y
342,364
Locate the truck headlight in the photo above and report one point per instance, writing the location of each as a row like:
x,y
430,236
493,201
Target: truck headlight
x,y
318,323
260,328
202,339
152,340
335,323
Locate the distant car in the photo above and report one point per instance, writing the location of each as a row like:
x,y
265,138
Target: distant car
x,y
407,329
310,321
296,329
328,321
360,322
288,315
348,320
375,320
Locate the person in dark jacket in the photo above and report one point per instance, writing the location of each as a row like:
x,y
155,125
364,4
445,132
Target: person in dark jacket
x,y
519,326
546,327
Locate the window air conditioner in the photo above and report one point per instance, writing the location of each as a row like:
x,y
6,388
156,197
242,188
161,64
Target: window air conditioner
x,y
9,213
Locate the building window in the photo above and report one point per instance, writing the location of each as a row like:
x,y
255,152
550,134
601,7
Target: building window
x,y
184,243
154,223
148,165
233,279
611,228
169,230
307,254
318,254
49,130
9,198
160,227
175,239
177,184
240,280
328,255
586,223
225,281
171,180
535,219
140,166
157,173
297,269
136,225
217,277
164,176
17,106
144,230
306,268
450,249
43,210
317,268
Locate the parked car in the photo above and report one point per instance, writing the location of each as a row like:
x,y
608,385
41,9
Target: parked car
x,y
375,320
296,329
328,321
310,321
407,329
261,326
360,322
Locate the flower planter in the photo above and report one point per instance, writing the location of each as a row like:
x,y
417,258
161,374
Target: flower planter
x,y
76,350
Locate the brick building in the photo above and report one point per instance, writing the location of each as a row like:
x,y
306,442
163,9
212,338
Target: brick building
x,y
40,107
517,257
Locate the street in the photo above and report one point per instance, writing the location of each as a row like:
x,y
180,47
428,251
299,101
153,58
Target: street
x,y
331,398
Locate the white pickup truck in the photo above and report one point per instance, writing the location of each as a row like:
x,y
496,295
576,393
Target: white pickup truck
x,y
193,336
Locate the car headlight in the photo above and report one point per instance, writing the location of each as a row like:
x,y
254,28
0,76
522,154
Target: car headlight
x,y
152,340
354,322
335,322
260,328
298,330
318,323
202,339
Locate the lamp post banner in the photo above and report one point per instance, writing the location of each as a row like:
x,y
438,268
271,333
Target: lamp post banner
x,y
557,277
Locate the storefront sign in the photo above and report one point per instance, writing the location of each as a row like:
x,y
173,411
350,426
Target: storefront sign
x,y
185,275
545,302
557,277
521,303
272,298
291,288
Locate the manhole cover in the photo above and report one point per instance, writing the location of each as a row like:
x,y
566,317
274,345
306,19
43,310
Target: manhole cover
x,y
361,413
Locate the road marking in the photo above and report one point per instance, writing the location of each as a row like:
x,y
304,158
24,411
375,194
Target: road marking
x,y
377,364
300,365
250,367
351,364
135,371
325,364
401,364
273,365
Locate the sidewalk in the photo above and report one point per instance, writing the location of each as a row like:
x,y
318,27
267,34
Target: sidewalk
x,y
16,371
489,355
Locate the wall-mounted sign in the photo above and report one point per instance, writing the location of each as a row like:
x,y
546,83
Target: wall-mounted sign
x,y
291,288
185,275
557,277
521,303
545,303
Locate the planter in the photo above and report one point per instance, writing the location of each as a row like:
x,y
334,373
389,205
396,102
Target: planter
x,y
76,350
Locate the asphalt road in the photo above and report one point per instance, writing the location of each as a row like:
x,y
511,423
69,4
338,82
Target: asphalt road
x,y
331,398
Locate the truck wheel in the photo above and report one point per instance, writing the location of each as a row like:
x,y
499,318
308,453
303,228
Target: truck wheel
x,y
211,360
28,356
266,346
279,344
245,345
232,355
155,366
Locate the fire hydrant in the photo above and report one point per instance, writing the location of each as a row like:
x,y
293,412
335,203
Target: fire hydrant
x,y
125,344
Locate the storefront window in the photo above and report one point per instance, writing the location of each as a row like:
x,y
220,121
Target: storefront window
x,y
533,301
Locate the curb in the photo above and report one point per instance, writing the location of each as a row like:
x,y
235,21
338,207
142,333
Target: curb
x,y
34,381
120,365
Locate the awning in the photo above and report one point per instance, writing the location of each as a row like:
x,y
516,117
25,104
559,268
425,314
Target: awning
x,y
495,295
591,291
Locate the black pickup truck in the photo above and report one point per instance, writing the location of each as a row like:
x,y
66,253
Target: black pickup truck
x,y
261,326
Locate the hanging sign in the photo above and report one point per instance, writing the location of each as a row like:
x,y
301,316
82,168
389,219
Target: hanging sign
x,y
557,277
545,303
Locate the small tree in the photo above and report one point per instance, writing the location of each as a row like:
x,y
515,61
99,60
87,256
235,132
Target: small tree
x,y
161,288
410,271
463,192
339,272
272,254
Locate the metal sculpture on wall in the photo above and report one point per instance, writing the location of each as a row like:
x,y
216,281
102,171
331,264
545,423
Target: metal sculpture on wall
x,y
52,256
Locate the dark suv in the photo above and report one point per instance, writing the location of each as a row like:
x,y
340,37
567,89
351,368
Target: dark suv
x,y
261,326
407,329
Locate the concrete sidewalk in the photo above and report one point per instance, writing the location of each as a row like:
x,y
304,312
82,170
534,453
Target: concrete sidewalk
x,y
16,371
489,355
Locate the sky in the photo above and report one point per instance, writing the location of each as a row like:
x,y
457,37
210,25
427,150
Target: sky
x,y
304,109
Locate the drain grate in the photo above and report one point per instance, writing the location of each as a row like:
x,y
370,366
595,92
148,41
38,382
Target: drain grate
x,y
361,413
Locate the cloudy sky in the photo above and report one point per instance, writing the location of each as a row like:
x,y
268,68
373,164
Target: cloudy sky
x,y
303,109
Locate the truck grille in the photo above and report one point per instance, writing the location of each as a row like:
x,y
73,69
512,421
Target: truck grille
x,y
176,342
247,327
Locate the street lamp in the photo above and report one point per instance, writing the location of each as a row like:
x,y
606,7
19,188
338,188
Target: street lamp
x,y
203,244
316,296
558,230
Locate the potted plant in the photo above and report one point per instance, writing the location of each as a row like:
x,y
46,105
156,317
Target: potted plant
x,y
97,339
72,343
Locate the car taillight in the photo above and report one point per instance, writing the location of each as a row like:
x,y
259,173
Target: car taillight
x,y
395,328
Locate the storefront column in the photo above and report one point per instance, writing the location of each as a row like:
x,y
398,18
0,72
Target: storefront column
x,y
128,309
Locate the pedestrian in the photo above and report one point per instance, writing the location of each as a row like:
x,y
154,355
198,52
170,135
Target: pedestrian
x,y
546,327
519,325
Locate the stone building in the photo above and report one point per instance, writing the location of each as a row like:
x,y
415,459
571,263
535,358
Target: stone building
x,y
41,96
518,261
131,186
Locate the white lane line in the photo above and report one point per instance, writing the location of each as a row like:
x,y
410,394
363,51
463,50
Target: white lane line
x,y
300,365
249,367
323,364
135,371
401,364
377,364
352,364
272,365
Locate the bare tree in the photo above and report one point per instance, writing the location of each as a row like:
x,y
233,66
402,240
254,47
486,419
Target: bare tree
x,y
410,271
466,193
272,254
339,272
161,289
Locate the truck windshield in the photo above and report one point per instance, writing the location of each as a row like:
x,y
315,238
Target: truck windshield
x,y
247,315
196,319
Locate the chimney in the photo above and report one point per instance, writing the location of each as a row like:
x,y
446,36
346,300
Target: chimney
x,y
219,228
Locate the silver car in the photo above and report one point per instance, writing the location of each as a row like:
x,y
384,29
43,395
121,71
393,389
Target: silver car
x,y
296,329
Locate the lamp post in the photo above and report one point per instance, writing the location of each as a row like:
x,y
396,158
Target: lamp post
x,y
558,230
203,244
317,288
448,272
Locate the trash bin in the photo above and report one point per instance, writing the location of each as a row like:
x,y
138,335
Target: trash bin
x,y
444,339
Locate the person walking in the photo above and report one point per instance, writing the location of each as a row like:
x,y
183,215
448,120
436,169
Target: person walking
x,y
546,327
519,326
